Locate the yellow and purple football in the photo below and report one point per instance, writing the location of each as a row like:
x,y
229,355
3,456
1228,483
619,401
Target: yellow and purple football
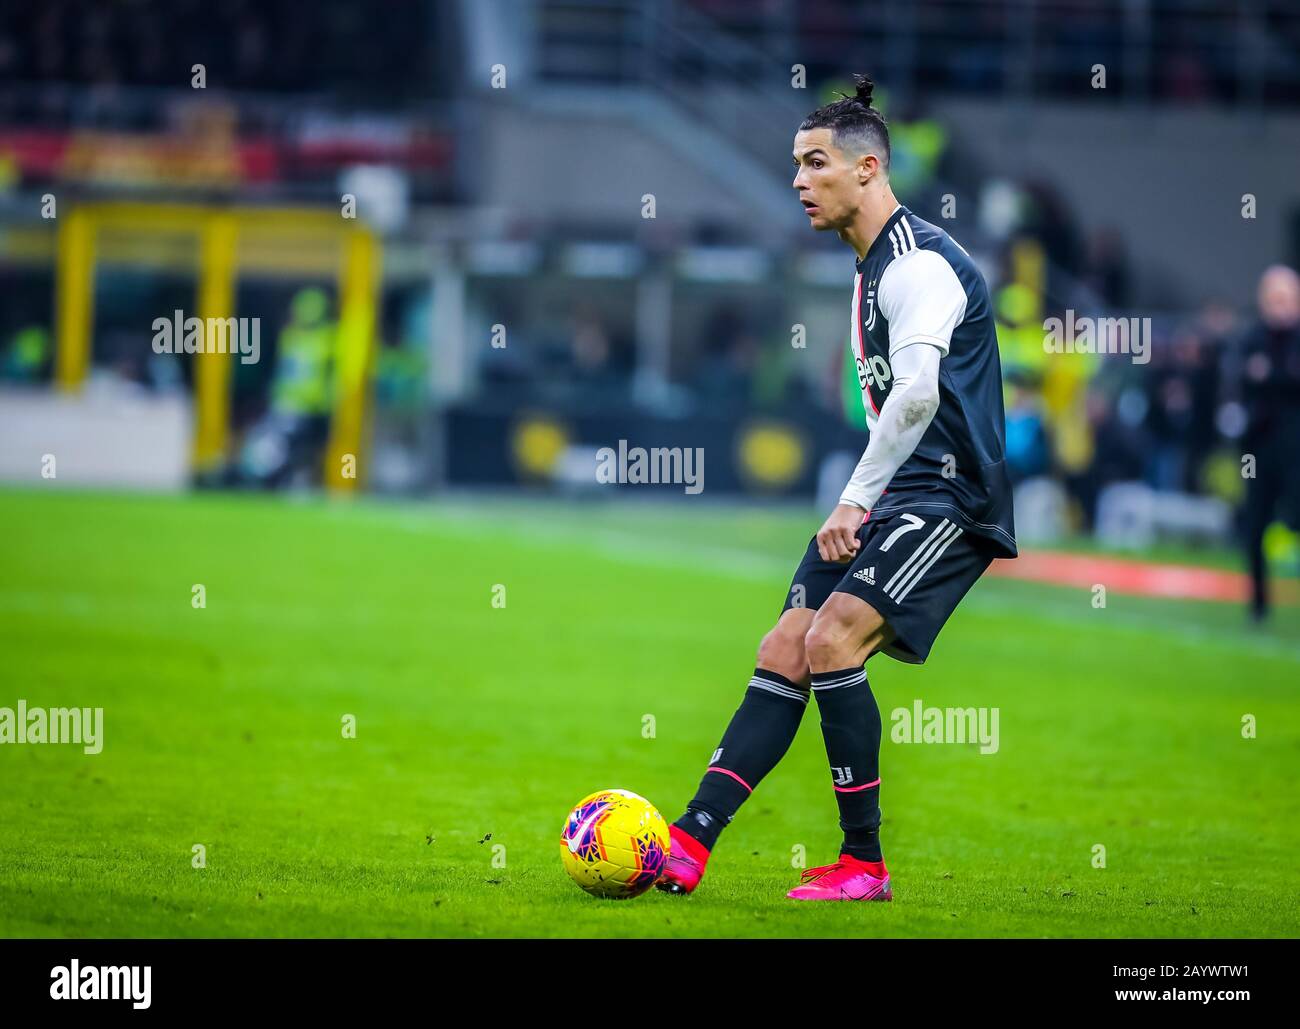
x,y
614,844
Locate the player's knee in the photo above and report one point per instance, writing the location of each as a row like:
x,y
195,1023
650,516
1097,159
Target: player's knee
x,y
830,647
823,647
781,651
831,644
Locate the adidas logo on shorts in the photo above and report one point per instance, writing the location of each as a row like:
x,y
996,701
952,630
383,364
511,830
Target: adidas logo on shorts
x,y
867,575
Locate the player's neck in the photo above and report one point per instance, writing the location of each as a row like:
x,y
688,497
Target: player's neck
x,y
876,209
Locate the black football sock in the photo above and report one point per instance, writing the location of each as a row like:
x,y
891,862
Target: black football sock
x,y
759,734
851,729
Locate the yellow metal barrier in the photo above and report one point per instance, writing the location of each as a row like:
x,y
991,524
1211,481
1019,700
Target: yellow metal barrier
x,y
354,358
212,370
218,233
74,298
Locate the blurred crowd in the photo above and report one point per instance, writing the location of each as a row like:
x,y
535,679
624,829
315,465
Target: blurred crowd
x,y
1184,52
381,47
1212,409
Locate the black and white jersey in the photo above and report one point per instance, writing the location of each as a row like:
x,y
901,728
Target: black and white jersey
x,y
916,284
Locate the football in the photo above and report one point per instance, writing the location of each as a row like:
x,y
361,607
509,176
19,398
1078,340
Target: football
x,y
614,844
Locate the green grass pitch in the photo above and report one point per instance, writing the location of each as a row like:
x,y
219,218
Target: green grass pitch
x,y
1119,727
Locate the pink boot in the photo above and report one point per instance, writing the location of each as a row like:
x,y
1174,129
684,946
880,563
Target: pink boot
x,y
685,866
847,879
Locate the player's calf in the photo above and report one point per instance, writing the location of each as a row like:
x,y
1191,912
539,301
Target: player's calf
x,y
846,631
759,734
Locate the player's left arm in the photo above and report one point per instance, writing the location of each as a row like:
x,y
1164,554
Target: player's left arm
x,y
923,300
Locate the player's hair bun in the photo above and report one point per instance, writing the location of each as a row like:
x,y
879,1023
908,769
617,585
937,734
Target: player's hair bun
x,y
865,88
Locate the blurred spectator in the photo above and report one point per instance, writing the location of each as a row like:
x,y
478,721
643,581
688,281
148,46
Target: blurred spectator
x,y
1027,443
1118,451
289,441
589,365
1180,385
724,378
27,358
1020,333
1271,396
1108,271
590,361
1050,221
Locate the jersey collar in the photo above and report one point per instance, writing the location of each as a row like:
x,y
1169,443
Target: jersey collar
x,y
879,241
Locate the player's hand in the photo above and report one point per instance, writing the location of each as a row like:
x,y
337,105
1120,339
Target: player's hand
x,y
837,540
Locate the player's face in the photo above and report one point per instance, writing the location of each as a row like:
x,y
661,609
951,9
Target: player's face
x,y
826,180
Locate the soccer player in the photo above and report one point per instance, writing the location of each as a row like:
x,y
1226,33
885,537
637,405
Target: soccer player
x,y
889,566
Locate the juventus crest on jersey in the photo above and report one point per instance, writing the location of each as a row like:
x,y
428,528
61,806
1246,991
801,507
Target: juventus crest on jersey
x,y
918,285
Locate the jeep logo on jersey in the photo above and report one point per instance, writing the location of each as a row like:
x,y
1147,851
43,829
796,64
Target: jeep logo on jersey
x,y
873,371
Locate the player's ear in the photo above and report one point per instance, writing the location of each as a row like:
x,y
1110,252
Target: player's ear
x,y
867,164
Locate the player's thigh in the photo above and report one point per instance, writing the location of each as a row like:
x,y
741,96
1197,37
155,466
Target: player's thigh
x,y
844,633
914,570
782,649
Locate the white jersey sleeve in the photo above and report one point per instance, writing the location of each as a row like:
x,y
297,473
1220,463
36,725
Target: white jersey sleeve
x,y
922,299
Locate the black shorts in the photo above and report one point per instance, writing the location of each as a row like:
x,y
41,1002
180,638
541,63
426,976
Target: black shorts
x,y
913,569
